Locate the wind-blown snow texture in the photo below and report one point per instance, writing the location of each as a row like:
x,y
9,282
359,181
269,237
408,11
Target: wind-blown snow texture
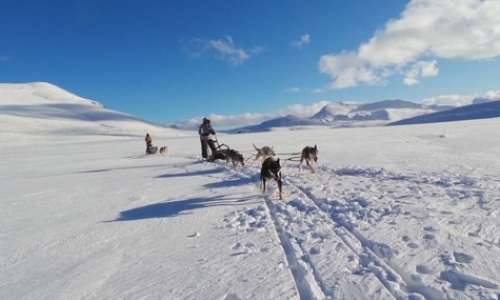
x,y
399,212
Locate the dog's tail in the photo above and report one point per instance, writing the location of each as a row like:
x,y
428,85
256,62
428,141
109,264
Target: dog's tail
x,y
255,147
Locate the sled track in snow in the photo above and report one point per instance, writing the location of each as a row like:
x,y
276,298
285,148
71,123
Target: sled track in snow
x,y
308,279
367,251
319,205
307,288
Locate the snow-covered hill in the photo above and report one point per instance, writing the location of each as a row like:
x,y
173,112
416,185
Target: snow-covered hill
x,y
36,108
479,110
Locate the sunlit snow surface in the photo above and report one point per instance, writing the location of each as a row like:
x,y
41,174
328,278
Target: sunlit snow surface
x,y
399,212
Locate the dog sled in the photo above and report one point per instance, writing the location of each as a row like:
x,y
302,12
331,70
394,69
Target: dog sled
x,y
220,152
224,152
152,150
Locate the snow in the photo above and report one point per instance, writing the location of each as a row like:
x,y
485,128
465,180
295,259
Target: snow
x,y
399,212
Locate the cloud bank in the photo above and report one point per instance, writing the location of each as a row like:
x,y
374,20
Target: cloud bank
x,y
459,100
410,46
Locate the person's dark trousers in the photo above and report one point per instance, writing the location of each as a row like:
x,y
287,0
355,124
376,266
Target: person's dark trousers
x,y
211,144
204,147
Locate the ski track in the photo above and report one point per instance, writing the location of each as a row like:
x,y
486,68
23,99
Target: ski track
x,y
324,212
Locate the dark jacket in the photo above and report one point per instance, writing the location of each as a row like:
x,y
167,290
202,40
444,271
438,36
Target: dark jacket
x,y
206,132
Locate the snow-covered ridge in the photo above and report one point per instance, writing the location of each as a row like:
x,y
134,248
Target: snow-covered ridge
x,y
44,108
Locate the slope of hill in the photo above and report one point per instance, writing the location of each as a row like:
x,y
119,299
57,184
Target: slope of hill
x,y
482,110
398,103
288,121
45,108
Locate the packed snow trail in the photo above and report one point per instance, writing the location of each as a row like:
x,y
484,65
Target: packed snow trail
x,y
320,219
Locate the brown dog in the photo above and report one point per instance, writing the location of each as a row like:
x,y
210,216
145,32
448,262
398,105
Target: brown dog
x,y
310,156
271,169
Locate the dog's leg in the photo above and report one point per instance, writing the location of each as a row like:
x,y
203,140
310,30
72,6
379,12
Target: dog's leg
x,y
256,157
310,166
279,187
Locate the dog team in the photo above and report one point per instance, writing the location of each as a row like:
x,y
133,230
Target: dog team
x,y
270,164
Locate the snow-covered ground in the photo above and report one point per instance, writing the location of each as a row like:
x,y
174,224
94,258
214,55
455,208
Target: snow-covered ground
x,y
400,212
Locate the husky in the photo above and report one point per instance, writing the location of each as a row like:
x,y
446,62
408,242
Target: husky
x,y
271,170
163,150
263,153
229,155
310,156
235,157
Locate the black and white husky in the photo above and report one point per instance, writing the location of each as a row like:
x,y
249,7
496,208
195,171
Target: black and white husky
x,y
271,170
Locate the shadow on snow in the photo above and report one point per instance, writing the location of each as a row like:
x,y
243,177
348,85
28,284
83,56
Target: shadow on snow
x,y
175,208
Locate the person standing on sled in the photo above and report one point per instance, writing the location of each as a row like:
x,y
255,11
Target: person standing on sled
x,y
150,149
206,133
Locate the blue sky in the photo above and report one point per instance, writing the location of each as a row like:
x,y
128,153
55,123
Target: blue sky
x,y
173,60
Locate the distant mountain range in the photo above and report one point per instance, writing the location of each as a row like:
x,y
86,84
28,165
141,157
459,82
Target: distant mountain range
x,y
47,109
386,112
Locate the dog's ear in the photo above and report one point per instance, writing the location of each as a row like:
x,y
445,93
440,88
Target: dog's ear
x,y
278,160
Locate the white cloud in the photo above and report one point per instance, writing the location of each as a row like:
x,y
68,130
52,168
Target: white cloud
x,y
304,40
449,29
223,49
492,95
456,100
298,90
293,90
420,69
347,69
